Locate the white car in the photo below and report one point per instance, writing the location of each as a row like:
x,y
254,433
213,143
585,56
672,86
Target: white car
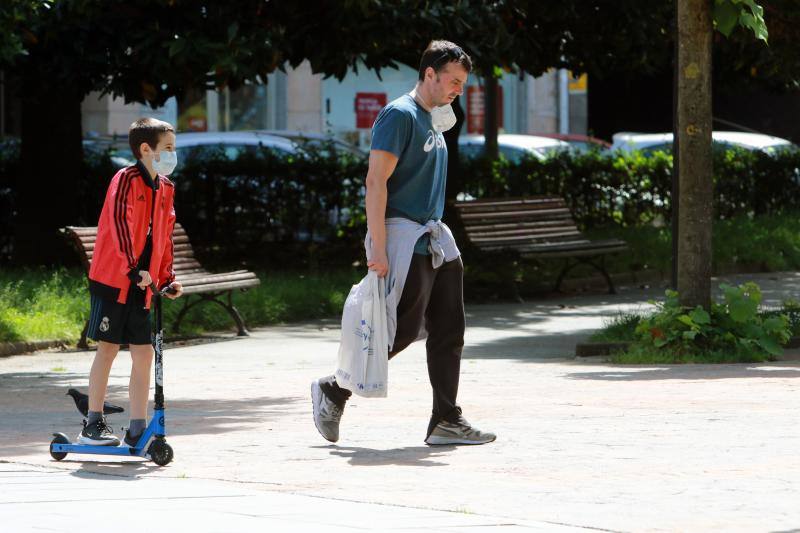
x,y
232,142
513,147
653,142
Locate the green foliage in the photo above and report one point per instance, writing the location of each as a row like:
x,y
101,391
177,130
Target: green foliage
x,y
629,189
746,13
272,207
734,327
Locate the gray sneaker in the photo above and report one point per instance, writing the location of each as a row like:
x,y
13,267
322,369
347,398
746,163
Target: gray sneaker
x,y
458,433
327,414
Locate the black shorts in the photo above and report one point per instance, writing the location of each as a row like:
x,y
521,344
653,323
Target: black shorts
x,y
117,323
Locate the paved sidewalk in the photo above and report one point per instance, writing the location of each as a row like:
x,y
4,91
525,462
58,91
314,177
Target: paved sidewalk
x,y
580,446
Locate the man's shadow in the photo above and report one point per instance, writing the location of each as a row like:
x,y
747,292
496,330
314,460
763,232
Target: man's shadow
x,y
409,456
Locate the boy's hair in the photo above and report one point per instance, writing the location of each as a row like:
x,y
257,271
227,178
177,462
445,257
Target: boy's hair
x,y
147,130
439,53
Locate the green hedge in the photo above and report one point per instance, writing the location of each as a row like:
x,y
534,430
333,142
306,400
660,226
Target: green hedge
x,y
630,189
279,210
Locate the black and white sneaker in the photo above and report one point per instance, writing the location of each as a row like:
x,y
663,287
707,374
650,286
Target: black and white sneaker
x,y
98,434
129,440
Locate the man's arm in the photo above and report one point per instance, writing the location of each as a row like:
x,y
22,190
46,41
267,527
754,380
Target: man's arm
x,y
381,166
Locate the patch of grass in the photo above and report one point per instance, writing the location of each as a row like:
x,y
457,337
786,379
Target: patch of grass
x,y
58,369
619,328
42,304
641,355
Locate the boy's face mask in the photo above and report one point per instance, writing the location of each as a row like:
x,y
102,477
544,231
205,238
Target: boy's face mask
x,y
164,162
443,118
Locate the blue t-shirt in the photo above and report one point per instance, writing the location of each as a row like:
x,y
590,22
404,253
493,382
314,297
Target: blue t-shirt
x,y
417,185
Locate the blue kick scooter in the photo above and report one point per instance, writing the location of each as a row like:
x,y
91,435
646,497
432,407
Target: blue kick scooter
x,y
152,443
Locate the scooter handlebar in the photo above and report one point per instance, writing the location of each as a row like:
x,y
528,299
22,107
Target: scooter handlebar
x,y
162,292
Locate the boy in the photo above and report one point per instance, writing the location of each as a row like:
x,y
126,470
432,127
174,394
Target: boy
x,y
133,248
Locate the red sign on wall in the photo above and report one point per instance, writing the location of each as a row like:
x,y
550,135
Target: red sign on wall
x,y
476,112
368,105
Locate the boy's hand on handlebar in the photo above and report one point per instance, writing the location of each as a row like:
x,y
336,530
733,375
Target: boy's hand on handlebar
x,y
144,279
175,290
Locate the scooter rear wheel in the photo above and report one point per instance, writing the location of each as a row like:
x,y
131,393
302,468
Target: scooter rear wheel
x,y
160,452
59,439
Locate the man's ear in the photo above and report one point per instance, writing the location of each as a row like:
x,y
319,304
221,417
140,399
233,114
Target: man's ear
x,y
144,148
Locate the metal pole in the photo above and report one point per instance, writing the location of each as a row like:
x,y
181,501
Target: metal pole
x,y
563,101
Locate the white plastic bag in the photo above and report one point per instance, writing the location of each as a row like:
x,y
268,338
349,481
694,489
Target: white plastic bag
x,y
364,349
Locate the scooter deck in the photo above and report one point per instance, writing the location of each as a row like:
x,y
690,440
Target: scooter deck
x,y
156,428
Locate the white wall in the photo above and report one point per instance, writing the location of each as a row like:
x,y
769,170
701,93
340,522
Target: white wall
x,y
104,115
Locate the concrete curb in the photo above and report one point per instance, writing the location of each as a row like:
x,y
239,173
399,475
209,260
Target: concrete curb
x,y
18,348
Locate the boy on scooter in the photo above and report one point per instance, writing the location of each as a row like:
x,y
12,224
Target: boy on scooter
x,y
133,248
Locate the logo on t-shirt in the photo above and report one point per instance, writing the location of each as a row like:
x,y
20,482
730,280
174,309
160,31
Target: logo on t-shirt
x,y
433,139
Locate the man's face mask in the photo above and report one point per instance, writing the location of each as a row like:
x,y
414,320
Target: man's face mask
x,y
164,162
443,118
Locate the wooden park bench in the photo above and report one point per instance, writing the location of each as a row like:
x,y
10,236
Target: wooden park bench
x,y
535,227
196,281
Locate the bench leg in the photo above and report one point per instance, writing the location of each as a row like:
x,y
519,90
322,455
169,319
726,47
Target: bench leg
x,y
567,267
187,304
237,317
600,267
83,344
229,307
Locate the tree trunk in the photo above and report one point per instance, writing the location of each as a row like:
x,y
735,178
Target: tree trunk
x,y
693,131
51,174
490,117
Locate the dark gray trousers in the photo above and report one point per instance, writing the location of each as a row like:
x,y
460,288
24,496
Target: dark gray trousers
x,y
433,298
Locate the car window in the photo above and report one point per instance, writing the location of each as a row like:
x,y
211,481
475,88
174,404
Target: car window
x,y
663,147
470,150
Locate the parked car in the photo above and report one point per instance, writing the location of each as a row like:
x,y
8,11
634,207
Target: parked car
x,y
317,141
117,148
582,143
513,147
232,142
653,142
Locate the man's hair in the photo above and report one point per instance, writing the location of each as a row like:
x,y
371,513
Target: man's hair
x,y
147,130
439,53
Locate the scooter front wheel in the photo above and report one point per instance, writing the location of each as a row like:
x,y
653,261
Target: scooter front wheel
x,y
60,438
160,452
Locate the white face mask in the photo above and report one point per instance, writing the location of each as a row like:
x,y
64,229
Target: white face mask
x,y
443,118
166,162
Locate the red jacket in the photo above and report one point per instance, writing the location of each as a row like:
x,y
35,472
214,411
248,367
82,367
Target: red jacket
x,y
122,233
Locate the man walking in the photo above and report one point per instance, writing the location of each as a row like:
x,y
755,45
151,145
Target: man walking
x,y
409,245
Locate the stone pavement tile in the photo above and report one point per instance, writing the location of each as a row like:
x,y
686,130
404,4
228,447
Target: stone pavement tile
x,y
639,448
175,504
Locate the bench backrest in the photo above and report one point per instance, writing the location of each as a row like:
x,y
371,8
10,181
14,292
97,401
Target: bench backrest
x,y
84,237
506,222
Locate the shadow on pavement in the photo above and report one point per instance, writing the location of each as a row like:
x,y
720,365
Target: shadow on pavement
x,y
119,471
410,456
692,372
531,347
33,406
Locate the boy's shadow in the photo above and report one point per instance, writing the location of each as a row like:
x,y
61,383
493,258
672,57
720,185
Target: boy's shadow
x,y
127,470
410,456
